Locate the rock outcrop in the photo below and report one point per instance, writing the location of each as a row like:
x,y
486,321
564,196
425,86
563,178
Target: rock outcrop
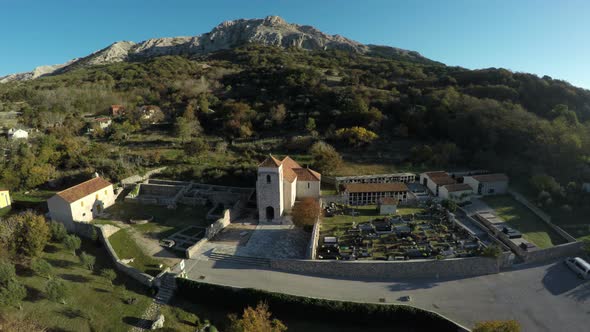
x,y
272,30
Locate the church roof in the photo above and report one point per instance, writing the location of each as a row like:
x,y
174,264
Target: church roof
x,y
290,163
270,162
306,174
291,169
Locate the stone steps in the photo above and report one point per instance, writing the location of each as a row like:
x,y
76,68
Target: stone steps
x,y
244,260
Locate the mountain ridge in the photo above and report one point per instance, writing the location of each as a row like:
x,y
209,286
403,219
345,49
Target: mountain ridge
x,y
271,30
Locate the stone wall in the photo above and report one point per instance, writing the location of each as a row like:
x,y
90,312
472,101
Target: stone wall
x,y
544,216
192,250
560,251
139,178
105,231
459,267
313,241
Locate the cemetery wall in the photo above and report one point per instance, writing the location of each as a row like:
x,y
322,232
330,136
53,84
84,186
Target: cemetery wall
x,y
458,267
313,241
139,178
563,250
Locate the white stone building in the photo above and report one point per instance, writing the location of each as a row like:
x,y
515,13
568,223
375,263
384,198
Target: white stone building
x,y
488,184
280,183
434,180
458,192
371,193
17,134
82,202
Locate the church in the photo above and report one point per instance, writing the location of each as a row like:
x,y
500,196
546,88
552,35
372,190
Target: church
x,y
280,183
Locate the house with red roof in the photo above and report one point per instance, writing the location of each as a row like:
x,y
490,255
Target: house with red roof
x,y
280,183
82,202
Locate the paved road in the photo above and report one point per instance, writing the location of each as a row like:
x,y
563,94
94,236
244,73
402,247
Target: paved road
x,y
545,297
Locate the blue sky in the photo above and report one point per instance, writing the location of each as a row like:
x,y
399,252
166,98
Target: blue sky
x,y
538,36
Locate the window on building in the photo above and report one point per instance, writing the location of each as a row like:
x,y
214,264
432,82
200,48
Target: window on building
x,y
105,192
97,197
82,204
308,185
268,179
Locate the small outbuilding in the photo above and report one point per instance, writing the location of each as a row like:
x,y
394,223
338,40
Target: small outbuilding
x,y
14,134
488,184
387,206
458,192
4,198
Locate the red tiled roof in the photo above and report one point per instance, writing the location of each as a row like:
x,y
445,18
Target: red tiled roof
x,y
83,189
436,174
306,174
491,177
388,201
375,187
457,187
290,163
289,174
270,162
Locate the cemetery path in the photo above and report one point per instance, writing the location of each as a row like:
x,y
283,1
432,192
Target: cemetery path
x,y
546,297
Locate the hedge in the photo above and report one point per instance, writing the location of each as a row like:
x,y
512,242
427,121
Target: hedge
x,y
236,299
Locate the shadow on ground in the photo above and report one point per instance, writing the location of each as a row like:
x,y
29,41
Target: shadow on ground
x,y
558,279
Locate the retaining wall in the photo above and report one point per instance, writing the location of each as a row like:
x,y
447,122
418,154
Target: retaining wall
x,y
105,231
559,251
458,267
313,241
139,178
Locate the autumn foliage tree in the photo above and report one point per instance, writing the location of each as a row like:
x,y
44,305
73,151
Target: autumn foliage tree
x,y
27,234
497,326
306,211
356,136
256,320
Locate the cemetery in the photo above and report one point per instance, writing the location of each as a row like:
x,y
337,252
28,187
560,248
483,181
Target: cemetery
x,y
422,233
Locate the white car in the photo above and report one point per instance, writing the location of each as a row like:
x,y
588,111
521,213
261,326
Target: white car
x,y
580,266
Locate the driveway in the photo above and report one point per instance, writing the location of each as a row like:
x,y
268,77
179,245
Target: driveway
x,y
546,297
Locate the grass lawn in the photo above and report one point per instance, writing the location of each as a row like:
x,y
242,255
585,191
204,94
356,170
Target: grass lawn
x,y
126,248
522,219
5,211
166,221
33,196
576,222
93,304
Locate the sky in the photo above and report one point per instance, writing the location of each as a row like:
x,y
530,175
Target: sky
x,y
536,36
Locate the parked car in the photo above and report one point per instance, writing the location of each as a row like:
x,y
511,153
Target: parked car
x,y
580,266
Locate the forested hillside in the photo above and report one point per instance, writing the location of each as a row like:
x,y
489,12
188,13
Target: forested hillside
x,y
444,117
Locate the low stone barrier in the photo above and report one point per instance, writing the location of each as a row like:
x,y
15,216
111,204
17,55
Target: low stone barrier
x,y
192,250
139,178
313,241
457,267
105,231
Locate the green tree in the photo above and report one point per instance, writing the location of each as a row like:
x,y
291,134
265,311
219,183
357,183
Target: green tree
x,y
7,272
108,274
497,326
12,293
449,205
278,113
56,290
31,234
72,242
310,125
325,158
356,136
58,231
87,260
42,268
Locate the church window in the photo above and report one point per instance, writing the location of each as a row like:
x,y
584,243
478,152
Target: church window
x,y
268,179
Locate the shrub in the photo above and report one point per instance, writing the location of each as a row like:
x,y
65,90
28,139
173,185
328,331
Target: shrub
x,y
31,234
306,212
58,231
42,268
497,326
72,242
12,293
255,320
56,290
87,260
7,272
325,158
109,274
491,251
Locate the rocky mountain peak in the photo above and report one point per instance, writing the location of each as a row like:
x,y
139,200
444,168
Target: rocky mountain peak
x,y
271,30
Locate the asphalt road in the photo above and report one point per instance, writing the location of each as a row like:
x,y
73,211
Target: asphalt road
x,y
546,297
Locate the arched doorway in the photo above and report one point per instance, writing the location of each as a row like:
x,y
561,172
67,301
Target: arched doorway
x,y
270,213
